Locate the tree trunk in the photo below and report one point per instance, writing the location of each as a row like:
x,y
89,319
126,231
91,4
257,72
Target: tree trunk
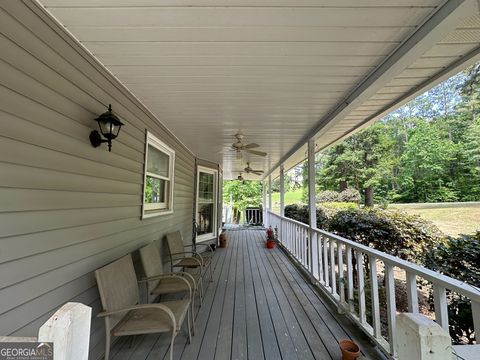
x,y
369,196
343,185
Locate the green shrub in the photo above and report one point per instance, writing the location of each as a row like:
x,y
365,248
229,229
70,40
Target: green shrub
x,y
301,213
396,233
350,195
339,205
328,196
328,210
297,212
459,258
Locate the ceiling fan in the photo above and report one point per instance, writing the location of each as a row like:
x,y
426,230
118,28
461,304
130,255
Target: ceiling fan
x,y
240,177
239,146
249,170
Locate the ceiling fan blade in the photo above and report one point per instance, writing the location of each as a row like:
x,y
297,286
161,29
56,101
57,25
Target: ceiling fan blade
x,y
256,152
251,146
257,172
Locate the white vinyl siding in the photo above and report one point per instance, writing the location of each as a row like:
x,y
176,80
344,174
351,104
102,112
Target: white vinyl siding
x,y
67,208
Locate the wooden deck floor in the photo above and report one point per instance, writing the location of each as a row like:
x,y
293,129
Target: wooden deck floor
x,y
258,307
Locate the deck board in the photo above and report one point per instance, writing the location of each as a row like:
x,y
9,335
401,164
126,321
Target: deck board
x,y
254,335
239,346
270,345
259,306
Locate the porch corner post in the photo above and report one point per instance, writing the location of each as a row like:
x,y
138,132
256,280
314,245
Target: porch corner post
x,y
313,245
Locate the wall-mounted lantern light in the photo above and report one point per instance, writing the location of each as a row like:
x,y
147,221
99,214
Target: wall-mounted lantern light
x,y
109,125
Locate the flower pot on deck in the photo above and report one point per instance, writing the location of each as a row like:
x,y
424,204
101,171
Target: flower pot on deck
x,y
222,240
350,350
270,244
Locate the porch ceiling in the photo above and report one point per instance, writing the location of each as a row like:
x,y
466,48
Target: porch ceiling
x,y
279,71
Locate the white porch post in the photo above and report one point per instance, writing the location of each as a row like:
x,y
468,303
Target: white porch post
x,y
69,330
421,338
313,241
264,203
282,191
269,196
282,201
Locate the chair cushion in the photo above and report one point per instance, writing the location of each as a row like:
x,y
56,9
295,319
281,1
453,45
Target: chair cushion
x,y
148,321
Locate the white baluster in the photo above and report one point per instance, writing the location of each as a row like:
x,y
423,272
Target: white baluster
x,y
332,267
314,254
391,307
308,250
326,243
320,260
350,299
362,313
412,296
309,236
341,277
441,307
374,294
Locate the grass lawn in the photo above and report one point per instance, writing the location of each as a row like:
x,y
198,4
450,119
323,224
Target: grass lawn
x,y
291,197
452,220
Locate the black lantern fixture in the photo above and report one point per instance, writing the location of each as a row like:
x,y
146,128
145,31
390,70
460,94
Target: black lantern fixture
x,y
109,125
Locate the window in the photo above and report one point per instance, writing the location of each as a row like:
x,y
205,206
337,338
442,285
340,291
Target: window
x,y
207,180
158,181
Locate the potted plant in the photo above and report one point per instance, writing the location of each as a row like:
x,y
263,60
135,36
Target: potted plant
x,y
222,239
270,238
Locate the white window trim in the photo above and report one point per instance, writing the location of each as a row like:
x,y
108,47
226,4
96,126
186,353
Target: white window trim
x,y
161,208
214,172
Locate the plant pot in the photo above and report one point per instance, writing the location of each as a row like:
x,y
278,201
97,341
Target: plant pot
x,y
350,350
271,244
222,240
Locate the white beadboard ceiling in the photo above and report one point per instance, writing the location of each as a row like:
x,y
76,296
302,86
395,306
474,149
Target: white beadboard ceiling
x,y
278,71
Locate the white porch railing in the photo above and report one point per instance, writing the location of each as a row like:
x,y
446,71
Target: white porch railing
x,y
330,260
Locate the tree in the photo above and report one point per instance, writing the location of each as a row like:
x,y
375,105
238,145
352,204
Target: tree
x,y
427,150
244,194
287,183
470,91
424,165
361,161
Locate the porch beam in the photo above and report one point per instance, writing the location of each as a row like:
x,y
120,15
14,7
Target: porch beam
x,y
282,191
433,30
